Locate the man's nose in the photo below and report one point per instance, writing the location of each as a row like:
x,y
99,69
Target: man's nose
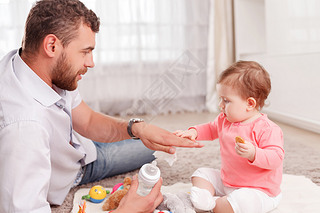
x,y
89,61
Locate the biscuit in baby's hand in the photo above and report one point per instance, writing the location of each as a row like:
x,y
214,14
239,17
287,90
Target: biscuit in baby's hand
x,y
239,139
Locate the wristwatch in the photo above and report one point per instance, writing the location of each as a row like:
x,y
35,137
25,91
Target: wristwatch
x,y
129,127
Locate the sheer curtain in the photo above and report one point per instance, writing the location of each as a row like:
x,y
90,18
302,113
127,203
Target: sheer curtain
x,y
220,47
12,18
151,55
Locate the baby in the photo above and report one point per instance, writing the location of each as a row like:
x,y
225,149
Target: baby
x,y
251,172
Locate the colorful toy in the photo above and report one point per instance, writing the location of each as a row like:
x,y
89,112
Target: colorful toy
x,y
114,199
82,207
118,186
96,194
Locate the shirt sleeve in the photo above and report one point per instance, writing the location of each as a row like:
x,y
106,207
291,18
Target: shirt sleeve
x,y
269,150
208,131
24,168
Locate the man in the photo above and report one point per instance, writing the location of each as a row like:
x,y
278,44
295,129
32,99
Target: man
x,y
44,124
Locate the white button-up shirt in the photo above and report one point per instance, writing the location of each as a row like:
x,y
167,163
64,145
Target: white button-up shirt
x,y
39,159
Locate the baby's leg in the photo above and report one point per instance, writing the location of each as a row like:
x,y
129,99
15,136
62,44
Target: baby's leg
x,y
203,200
203,191
203,184
223,206
208,202
250,200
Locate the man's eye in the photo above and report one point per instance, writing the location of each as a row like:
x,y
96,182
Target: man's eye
x,y
225,100
86,52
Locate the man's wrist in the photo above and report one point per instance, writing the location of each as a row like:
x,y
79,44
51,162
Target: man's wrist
x,y
131,122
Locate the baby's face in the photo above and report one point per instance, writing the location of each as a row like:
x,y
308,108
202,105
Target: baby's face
x,y
232,104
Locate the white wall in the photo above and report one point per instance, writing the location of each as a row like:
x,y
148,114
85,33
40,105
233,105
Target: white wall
x,y
285,39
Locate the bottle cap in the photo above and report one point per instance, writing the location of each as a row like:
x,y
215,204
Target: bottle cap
x,y
149,174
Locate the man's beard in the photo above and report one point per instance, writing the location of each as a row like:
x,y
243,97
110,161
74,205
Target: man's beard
x,y
62,75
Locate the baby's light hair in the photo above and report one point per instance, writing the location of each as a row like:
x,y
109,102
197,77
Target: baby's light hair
x,y
249,79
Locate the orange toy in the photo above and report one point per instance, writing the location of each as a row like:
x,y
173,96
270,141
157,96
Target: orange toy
x,y
82,207
114,199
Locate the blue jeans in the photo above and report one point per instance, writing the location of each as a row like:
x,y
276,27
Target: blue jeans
x,y
116,158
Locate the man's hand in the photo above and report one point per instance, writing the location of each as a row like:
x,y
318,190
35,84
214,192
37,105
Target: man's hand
x,y
156,138
246,150
132,202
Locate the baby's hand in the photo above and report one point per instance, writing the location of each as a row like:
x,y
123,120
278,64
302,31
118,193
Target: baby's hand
x,y
191,134
246,150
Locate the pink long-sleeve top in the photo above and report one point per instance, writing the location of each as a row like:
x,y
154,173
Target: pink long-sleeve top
x,y
265,172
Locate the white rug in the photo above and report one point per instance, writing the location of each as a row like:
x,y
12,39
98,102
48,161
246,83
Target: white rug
x,y
300,195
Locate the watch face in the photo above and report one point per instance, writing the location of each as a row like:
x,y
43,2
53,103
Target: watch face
x,y
135,120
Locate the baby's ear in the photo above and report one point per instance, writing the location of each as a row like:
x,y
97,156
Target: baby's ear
x,y
251,103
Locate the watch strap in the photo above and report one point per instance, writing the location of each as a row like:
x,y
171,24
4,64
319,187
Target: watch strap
x,y
129,127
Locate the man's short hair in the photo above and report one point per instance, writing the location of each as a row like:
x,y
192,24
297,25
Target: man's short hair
x,y
59,17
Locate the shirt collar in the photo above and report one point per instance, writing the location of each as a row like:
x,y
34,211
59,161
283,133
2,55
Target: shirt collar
x,y
40,91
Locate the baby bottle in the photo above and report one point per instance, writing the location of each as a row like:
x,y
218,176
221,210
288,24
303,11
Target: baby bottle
x,y
149,175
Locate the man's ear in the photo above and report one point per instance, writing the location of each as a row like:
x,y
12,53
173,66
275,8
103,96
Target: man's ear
x,y
251,103
51,45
